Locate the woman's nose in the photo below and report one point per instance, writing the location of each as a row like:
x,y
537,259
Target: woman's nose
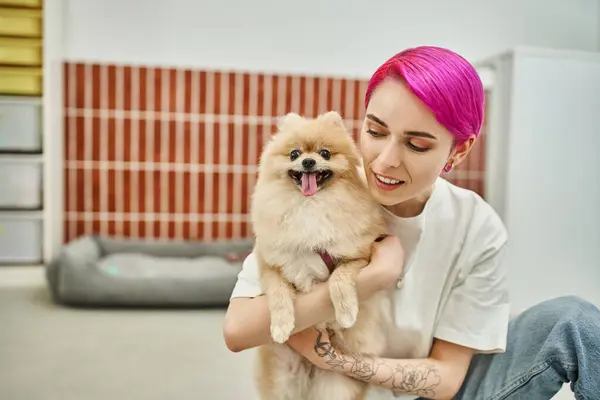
x,y
391,155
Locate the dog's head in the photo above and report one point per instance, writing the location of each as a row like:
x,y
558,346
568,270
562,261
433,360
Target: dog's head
x,y
310,153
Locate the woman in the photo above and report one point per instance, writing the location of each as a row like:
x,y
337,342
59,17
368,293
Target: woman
x,y
452,337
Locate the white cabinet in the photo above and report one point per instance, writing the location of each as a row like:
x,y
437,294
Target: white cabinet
x,y
21,199
543,170
20,124
32,135
21,183
21,239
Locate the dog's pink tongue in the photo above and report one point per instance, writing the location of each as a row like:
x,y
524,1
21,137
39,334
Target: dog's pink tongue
x,y
309,184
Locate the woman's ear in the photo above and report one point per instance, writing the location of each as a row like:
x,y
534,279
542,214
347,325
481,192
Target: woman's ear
x,y
462,150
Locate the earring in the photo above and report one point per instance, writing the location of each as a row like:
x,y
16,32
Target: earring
x,y
448,166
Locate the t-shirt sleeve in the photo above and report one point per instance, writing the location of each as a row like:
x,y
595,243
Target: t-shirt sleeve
x,y
248,281
476,314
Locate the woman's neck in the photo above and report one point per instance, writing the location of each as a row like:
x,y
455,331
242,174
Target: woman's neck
x,y
411,207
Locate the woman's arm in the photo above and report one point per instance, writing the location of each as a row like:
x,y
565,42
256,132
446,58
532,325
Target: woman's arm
x,y
247,321
436,377
439,376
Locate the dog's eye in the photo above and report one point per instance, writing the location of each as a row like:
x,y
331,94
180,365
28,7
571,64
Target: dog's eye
x,y
294,154
325,154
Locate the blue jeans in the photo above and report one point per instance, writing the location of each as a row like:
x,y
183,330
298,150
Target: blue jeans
x,y
554,342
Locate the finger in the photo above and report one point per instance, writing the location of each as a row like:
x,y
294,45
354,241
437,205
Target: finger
x,y
303,342
380,238
307,334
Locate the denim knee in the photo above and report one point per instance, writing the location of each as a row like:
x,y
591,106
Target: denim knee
x,y
564,311
572,305
572,312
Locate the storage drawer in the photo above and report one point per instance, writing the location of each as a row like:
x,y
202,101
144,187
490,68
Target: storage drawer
x,y
21,51
21,81
20,240
20,22
21,183
20,125
22,3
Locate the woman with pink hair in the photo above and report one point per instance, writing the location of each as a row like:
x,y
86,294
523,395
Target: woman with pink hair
x,y
451,336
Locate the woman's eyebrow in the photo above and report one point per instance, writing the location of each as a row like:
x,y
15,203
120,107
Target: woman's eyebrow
x,y
377,120
420,134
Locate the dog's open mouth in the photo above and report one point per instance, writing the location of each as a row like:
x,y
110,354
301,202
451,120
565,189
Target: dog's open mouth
x,y
310,182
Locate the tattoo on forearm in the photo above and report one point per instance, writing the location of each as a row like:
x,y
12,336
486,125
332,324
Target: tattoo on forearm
x,y
363,370
421,380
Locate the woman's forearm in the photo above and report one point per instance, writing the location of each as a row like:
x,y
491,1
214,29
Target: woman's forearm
x,y
425,377
419,377
247,323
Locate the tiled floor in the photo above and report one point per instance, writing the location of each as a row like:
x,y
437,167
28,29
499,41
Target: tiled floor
x,y
53,353
48,352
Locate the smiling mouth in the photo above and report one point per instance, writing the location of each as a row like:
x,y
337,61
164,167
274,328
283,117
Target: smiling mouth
x,y
385,183
310,182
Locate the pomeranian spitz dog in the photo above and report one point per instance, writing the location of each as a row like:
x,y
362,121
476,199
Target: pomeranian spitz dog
x,y
315,221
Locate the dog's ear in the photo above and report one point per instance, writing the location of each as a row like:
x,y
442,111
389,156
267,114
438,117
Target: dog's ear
x,y
332,117
289,119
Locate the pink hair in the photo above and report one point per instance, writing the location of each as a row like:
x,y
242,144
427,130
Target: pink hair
x,y
444,81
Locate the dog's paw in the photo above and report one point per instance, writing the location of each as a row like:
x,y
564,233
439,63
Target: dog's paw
x,y
282,326
346,308
343,293
346,317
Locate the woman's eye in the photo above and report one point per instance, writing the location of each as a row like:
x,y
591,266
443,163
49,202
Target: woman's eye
x,y
294,154
417,148
325,154
375,133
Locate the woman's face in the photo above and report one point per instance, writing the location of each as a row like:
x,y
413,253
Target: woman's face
x,y
403,147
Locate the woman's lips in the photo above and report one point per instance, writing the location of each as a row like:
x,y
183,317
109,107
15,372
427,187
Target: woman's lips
x,y
387,183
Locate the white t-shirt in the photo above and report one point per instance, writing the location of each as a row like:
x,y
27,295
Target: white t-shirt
x,y
454,286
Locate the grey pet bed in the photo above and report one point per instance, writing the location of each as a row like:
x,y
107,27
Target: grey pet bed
x,y
99,271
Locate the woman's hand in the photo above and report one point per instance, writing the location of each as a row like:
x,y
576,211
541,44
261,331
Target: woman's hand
x,y
387,263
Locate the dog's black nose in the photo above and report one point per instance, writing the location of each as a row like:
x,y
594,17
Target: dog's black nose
x,y
308,163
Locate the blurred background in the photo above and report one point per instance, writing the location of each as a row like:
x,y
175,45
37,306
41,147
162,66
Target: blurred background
x,y
133,128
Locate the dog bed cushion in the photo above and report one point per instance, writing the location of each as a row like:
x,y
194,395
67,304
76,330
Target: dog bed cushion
x,y
95,270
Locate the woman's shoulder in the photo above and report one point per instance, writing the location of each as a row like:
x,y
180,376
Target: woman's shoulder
x,y
473,233
470,210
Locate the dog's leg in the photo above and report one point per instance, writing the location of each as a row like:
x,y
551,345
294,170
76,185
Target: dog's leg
x,y
329,385
280,294
282,373
342,288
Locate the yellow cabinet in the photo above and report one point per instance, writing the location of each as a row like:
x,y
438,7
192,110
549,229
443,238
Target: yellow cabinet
x,y
22,3
20,51
21,81
20,22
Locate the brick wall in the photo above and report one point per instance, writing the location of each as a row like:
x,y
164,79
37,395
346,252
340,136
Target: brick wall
x,y
172,153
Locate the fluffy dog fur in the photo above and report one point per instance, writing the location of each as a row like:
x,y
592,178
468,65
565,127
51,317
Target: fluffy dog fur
x,y
296,216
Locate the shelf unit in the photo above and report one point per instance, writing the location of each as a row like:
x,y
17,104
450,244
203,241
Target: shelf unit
x,y
31,131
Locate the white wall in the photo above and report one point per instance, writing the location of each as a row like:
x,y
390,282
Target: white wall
x,y
556,233
551,189
340,37
598,28
542,157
